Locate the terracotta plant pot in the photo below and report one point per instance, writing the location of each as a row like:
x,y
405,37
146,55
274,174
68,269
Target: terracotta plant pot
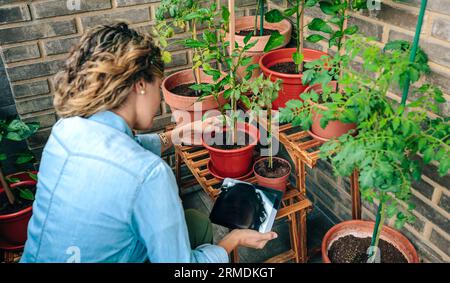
x,y
234,163
14,227
274,183
184,105
292,86
334,129
363,229
248,23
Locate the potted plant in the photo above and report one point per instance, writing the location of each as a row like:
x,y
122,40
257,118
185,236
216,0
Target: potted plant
x,y
177,88
382,152
272,172
231,150
278,34
287,63
340,95
16,190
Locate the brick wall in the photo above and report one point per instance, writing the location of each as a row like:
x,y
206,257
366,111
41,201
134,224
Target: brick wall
x,y
35,37
431,232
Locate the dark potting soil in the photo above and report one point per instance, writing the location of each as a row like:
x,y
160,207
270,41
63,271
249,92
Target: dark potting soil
x,y
285,68
186,90
245,32
20,204
279,169
244,139
351,249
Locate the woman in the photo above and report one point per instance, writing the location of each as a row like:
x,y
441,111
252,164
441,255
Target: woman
x,y
105,195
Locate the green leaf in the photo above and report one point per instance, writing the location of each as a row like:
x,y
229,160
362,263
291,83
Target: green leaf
x,y
274,16
24,158
225,14
17,125
351,30
311,3
318,24
191,43
315,38
26,194
2,156
289,12
328,8
166,57
428,155
307,76
246,101
298,58
247,38
32,176
14,136
275,40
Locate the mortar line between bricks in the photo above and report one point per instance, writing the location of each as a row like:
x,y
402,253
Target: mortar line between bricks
x,y
427,230
39,113
74,15
433,183
35,61
431,204
427,242
436,196
441,232
343,207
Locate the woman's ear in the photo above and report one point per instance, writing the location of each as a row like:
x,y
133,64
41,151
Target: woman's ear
x,y
139,87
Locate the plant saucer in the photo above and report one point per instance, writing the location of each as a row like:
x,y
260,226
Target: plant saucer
x,y
214,173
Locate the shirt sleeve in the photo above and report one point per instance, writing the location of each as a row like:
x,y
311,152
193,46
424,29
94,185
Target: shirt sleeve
x,y
150,142
158,220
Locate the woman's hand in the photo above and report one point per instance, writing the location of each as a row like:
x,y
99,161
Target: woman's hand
x,y
246,238
192,133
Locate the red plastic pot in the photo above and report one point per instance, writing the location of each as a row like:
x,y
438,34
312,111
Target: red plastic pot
x,y
334,129
363,229
234,163
13,227
292,86
274,183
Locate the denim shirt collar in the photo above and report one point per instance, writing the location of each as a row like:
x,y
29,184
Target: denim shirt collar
x,y
113,120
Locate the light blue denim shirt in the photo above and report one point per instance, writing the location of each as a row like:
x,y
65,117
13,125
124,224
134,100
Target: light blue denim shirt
x,y
104,195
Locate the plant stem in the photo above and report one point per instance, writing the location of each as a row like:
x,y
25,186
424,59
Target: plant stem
x,y
5,186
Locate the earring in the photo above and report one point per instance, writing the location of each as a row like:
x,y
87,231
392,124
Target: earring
x,y
142,92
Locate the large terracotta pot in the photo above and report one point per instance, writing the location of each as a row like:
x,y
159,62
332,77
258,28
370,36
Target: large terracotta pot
x,y
334,129
248,23
363,229
274,183
14,227
292,86
234,163
188,109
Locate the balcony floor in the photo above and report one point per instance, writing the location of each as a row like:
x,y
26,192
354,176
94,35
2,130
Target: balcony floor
x,y
318,224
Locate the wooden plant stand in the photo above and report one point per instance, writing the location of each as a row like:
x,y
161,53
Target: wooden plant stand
x,y
304,151
295,205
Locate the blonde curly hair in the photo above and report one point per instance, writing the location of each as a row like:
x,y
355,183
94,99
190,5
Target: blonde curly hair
x,y
103,68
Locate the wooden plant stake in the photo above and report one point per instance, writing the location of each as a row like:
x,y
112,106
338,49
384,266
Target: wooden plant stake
x,y
5,186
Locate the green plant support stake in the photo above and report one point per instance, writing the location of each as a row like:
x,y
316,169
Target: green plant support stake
x,y
412,55
261,18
